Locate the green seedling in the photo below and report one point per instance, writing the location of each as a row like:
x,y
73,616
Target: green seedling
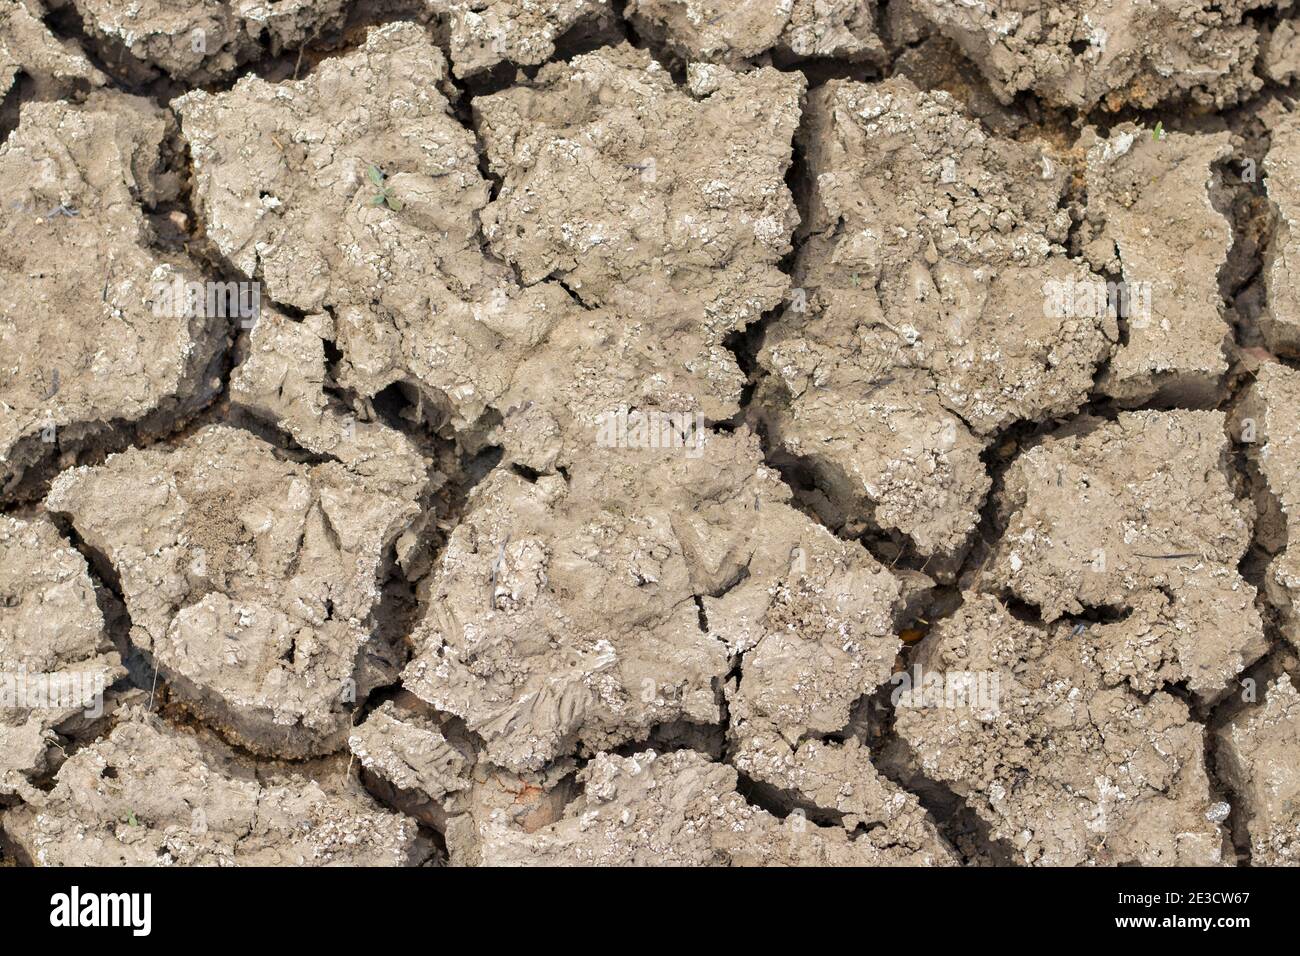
x,y
383,194
131,821
1159,131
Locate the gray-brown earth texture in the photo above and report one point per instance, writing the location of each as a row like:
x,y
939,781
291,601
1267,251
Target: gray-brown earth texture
x,y
689,432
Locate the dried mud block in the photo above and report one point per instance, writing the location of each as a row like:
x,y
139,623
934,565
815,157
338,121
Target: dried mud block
x,y
565,611
279,25
1137,516
838,782
731,32
369,213
581,613
199,41
599,377
150,795
834,29
282,172
484,33
1259,757
56,659
282,380
251,581
425,765
1268,425
815,620
918,323
717,564
1065,769
1200,637
521,801
88,340
675,809
1152,226
1280,321
1112,53
409,753
934,63
893,455
28,48
1281,59
599,193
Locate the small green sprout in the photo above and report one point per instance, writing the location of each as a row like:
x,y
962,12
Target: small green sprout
x,y
1159,131
131,821
383,194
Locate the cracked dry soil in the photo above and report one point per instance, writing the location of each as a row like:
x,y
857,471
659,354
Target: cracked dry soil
x,y
625,432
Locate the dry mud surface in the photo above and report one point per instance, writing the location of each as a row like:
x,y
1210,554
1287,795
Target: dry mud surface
x,y
631,432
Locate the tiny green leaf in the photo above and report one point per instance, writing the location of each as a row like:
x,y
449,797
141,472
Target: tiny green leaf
x,y
131,821
394,203
377,199
375,175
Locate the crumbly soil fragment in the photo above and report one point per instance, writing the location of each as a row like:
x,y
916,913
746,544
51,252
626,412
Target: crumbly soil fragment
x,y
734,31
1151,228
1281,321
1259,756
1109,53
89,334
283,379
370,215
1282,55
410,753
1137,516
200,42
27,48
1268,426
1066,768
485,33
56,659
251,580
564,612
917,325
150,795
678,809
428,766
599,193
